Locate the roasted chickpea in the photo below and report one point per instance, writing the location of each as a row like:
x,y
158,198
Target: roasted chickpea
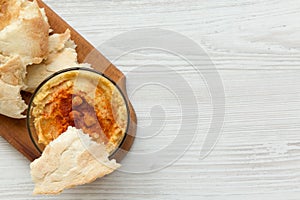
x,y
89,120
77,101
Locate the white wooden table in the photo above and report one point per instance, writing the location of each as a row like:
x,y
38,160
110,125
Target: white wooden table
x,y
255,45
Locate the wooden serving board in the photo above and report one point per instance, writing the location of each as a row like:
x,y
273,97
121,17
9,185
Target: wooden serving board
x,y
15,131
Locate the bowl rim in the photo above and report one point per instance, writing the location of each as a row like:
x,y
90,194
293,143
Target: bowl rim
x,y
76,69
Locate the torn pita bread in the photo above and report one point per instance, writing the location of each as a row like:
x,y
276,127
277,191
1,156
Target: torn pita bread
x,y
67,162
58,42
62,55
12,75
24,31
11,102
12,71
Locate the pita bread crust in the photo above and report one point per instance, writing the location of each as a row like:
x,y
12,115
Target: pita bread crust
x,y
62,55
11,102
67,162
24,23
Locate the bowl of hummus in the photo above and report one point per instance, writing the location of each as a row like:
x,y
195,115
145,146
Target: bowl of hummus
x,y
81,98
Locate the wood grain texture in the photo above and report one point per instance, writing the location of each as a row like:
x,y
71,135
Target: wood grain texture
x,y
255,47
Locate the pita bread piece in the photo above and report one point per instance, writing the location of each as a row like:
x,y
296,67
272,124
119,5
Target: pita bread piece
x,y
12,70
67,162
62,55
11,102
12,74
24,31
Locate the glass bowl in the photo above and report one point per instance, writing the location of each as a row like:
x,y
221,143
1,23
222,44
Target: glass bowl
x,y
82,98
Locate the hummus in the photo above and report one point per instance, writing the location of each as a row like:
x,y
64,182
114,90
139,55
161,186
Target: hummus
x,y
82,99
